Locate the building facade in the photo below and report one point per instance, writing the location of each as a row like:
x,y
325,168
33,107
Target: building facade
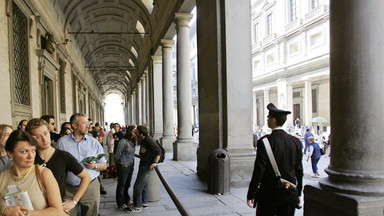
x,y
290,59
41,71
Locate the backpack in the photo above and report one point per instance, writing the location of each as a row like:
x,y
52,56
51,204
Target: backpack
x,y
110,172
162,154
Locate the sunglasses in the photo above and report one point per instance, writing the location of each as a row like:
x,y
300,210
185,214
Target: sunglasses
x,y
67,133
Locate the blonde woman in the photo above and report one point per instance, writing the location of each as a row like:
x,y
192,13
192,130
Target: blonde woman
x,y
21,148
5,162
315,155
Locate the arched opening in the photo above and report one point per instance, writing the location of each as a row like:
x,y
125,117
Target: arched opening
x,y
114,111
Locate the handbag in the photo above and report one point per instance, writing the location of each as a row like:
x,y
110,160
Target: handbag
x,y
40,181
322,152
282,183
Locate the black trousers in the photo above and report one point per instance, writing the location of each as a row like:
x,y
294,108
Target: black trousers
x,y
274,209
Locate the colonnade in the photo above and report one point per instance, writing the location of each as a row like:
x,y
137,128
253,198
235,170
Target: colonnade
x,y
161,118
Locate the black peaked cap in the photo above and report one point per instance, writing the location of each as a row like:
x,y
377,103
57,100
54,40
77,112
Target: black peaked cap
x,y
273,108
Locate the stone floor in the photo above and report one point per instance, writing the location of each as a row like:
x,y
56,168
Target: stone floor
x,y
193,193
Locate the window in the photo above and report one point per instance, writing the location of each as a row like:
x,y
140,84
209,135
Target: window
x,y
316,39
20,56
294,48
314,4
292,8
314,100
256,64
269,24
270,58
256,32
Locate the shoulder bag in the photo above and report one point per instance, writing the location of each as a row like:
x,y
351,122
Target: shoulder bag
x,y
282,183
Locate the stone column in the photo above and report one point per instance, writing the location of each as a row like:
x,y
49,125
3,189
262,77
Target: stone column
x,y
225,96
282,100
185,147
144,98
254,109
308,102
76,89
139,104
134,105
290,104
133,119
129,110
266,102
355,174
168,119
147,100
157,87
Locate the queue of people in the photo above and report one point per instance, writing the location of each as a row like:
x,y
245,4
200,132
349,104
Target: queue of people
x,y
53,171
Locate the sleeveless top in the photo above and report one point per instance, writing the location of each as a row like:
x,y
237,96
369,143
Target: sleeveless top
x,y
30,184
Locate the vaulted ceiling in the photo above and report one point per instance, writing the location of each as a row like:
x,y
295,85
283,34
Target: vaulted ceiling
x,y
117,37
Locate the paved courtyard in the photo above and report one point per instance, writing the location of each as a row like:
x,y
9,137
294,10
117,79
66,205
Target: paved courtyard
x,y
193,193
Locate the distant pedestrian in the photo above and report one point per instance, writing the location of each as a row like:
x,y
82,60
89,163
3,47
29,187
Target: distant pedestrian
x,y
315,154
297,123
50,119
65,131
111,144
22,124
118,135
306,135
5,162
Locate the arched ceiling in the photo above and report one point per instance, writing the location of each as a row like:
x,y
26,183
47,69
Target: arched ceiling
x,y
117,37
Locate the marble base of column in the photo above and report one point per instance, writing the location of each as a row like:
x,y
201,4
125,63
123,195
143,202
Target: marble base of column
x,y
157,136
184,150
319,201
242,165
167,142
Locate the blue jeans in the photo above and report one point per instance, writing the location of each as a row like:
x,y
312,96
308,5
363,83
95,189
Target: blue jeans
x,y
123,184
314,161
140,189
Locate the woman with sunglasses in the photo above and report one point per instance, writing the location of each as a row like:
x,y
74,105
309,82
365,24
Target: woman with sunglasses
x,y
65,131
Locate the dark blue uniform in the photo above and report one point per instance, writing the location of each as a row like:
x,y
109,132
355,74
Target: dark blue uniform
x,y
288,154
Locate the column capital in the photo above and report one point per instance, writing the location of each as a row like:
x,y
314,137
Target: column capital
x,y
157,59
182,19
167,43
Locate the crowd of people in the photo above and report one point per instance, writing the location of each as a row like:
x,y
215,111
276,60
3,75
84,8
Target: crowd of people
x,y
57,174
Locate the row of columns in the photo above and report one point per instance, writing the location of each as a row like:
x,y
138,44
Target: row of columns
x,y
162,123
285,101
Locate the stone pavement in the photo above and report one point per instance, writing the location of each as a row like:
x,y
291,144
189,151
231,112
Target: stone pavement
x,y
182,177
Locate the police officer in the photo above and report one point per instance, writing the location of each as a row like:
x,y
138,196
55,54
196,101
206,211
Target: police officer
x,y
263,189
